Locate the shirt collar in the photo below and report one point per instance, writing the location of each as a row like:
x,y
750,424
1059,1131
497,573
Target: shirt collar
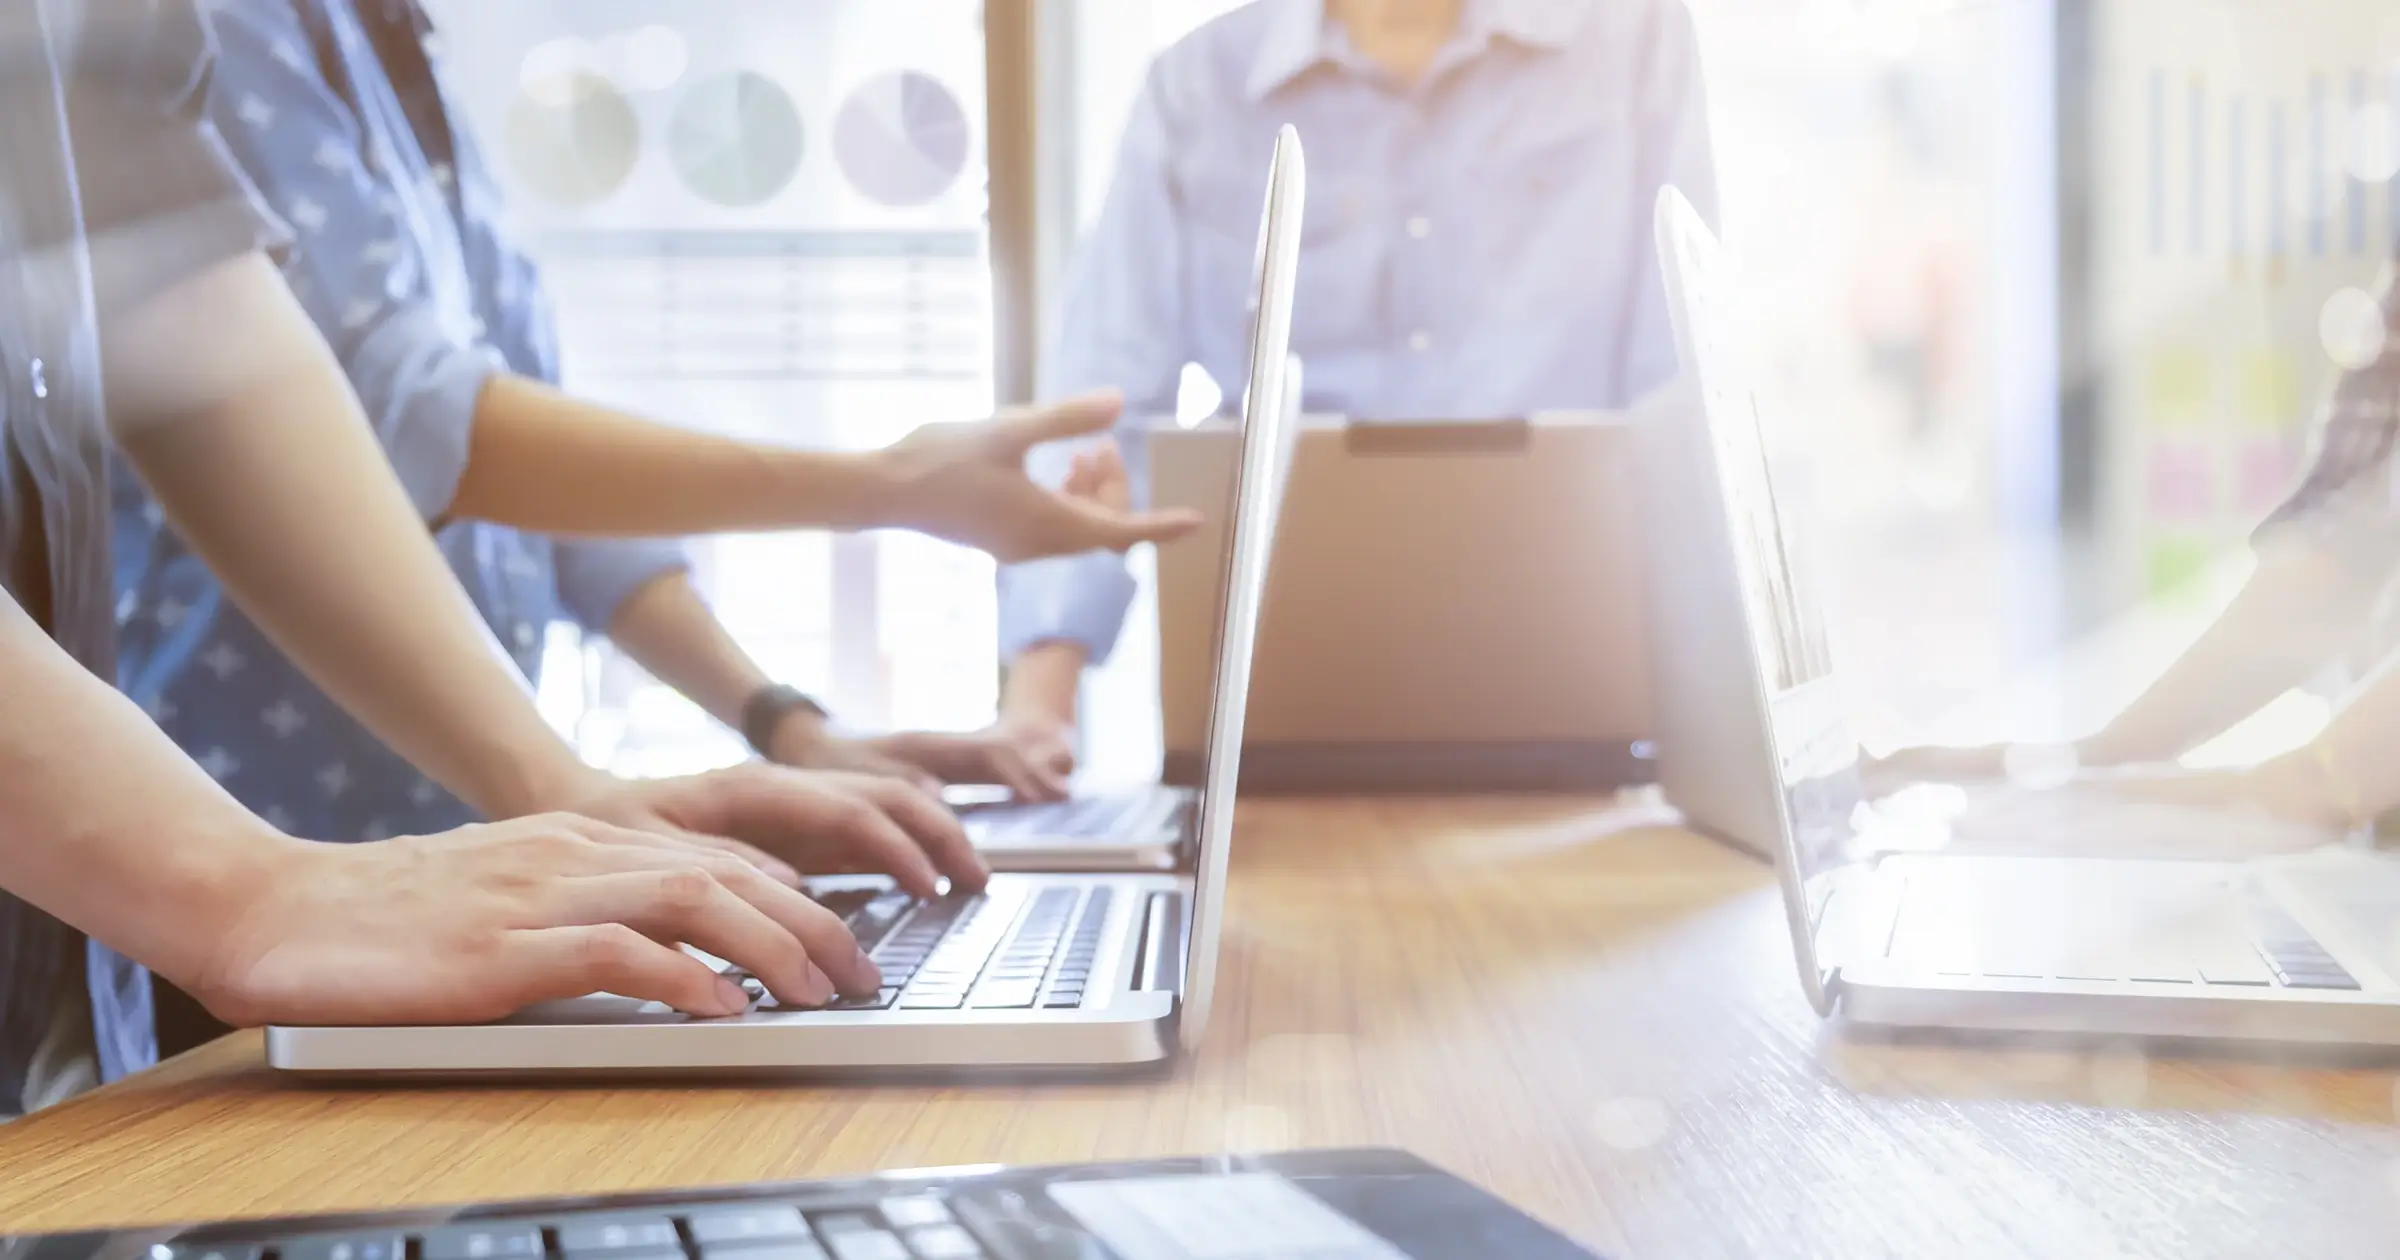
x,y
1300,37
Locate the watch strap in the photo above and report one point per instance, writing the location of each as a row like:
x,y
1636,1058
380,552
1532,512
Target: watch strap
x,y
766,709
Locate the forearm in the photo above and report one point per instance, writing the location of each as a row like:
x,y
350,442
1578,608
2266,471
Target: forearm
x,y
2288,618
1043,681
1057,618
670,631
103,822
245,429
541,461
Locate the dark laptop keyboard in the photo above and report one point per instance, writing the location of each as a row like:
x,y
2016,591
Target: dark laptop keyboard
x,y
2294,955
905,1227
1012,950
1326,1205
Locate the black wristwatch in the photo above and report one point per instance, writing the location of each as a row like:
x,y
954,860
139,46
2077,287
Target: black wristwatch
x,y
766,709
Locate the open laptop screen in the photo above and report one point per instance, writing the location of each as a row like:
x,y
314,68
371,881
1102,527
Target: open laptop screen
x,y
1814,752
1257,492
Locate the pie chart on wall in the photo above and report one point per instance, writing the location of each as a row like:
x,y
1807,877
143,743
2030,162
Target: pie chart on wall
x,y
901,139
736,139
573,139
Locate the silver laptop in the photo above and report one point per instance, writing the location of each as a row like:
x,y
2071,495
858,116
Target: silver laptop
x,y
1895,923
1037,970
1150,826
1143,828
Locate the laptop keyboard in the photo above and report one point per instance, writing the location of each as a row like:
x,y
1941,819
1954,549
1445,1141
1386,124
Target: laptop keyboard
x,y
1017,949
2163,927
1086,817
902,1227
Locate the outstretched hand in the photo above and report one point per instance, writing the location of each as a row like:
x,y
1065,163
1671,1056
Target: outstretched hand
x,y
967,483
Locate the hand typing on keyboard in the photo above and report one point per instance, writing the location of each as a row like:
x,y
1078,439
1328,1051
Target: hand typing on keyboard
x,y
820,821
1006,950
928,759
484,921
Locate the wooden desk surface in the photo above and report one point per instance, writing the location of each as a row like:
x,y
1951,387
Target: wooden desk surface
x,y
1593,1016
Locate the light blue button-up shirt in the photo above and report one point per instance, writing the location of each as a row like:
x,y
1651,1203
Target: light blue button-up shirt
x,y
1477,243
402,259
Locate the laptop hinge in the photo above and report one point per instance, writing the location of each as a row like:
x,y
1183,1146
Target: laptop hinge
x,y
1161,968
1186,819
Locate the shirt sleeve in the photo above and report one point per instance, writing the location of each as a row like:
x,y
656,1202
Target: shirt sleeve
x,y
356,269
2347,505
1121,329
1677,152
596,576
161,198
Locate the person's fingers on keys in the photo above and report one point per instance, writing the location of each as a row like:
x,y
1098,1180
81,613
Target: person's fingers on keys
x,y
837,809
828,943
773,867
1049,778
887,766
935,829
658,832
1009,768
557,963
693,905
1026,778
630,816
1058,757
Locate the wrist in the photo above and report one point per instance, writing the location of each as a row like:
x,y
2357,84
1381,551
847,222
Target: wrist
x,y
540,784
1043,682
800,736
219,886
846,490
767,717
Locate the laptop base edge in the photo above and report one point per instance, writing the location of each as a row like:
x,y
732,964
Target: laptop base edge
x,y
2244,1015
1135,1029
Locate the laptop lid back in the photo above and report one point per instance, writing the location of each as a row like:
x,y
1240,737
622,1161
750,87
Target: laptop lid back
x,y
1412,680
1266,453
1798,761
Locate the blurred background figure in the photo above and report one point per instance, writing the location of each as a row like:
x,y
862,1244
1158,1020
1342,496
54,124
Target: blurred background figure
x,y
1478,246
1908,300
2323,561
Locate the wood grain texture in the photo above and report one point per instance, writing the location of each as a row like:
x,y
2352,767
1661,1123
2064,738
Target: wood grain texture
x,y
1589,1013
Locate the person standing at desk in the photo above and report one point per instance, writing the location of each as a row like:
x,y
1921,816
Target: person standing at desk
x,y
139,307
335,112
1478,245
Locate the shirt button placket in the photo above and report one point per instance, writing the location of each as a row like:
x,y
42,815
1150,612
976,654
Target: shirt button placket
x,y
1420,228
1416,270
